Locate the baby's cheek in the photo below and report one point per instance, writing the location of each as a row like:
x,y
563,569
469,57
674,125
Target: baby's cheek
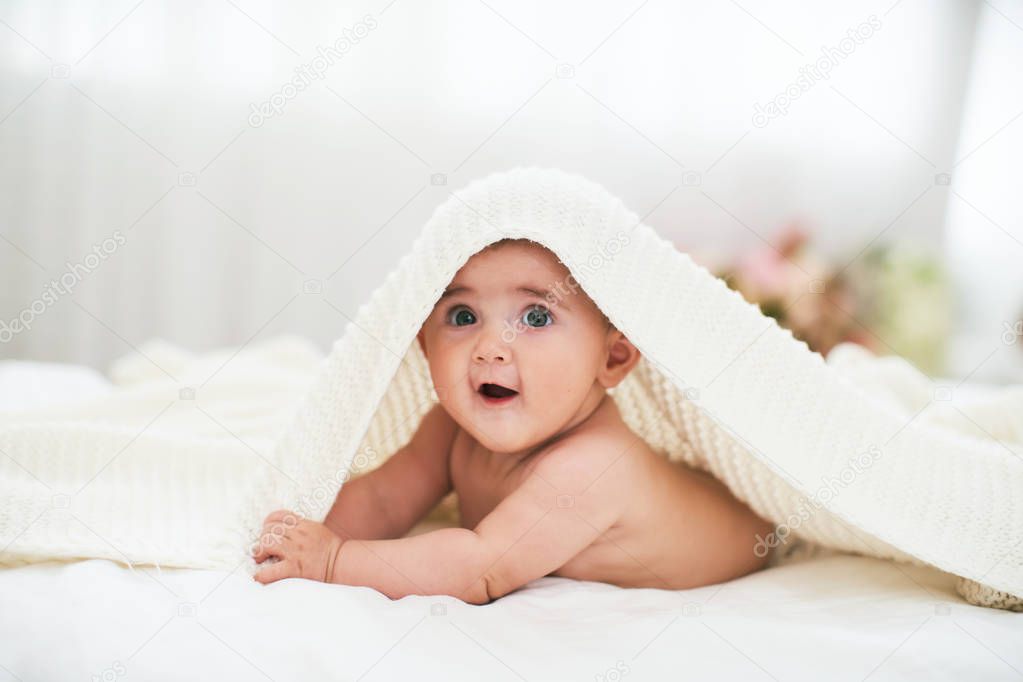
x,y
444,371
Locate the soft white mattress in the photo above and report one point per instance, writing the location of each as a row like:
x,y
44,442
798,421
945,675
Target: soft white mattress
x,y
831,617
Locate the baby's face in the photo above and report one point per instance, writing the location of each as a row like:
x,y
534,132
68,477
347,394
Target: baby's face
x,y
512,316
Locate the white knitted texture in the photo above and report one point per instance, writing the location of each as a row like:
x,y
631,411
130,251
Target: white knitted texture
x,y
720,387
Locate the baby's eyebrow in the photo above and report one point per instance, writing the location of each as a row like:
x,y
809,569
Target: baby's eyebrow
x,y
542,293
531,290
451,291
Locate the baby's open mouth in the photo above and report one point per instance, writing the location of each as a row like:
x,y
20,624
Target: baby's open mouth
x,y
496,392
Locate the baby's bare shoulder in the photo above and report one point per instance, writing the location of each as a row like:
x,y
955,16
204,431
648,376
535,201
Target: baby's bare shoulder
x,y
595,459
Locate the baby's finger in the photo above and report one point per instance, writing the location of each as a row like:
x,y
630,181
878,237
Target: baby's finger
x,y
281,515
274,531
275,572
263,552
270,544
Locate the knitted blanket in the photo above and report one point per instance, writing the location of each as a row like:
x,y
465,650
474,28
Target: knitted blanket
x,y
852,452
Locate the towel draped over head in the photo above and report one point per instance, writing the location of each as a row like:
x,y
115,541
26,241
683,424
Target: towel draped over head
x,y
832,451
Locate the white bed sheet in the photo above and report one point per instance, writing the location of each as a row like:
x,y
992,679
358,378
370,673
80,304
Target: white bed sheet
x,y
831,617
838,618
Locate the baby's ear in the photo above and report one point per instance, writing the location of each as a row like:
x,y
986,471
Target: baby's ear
x,y
422,342
622,356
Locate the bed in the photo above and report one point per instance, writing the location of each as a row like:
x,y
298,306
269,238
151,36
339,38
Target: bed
x,y
815,615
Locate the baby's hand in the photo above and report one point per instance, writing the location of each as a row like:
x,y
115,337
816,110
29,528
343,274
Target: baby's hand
x,y
306,549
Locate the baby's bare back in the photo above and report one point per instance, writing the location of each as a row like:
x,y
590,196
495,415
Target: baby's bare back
x,y
677,528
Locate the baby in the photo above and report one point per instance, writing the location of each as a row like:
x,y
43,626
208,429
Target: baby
x,y
549,479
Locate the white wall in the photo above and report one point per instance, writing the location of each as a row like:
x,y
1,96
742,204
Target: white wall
x,y
985,217
341,179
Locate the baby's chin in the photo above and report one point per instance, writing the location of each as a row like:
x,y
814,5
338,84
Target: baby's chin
x,y
513,443
509,430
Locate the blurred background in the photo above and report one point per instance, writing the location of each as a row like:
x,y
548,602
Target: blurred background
x,y
211,172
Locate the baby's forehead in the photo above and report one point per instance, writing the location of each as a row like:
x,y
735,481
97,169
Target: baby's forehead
x,y
520,251
515,265
515,261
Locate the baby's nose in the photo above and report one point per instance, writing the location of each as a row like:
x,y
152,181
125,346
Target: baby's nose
x,y
491,347
491,355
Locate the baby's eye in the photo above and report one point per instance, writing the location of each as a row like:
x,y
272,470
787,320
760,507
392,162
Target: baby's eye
x,y
537,316
460,316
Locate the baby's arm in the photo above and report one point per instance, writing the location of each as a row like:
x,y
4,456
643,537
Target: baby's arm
x,y
388,501
565,503
383,503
